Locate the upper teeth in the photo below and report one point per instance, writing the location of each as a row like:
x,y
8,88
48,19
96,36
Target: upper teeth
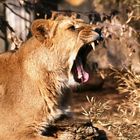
x,y
93,45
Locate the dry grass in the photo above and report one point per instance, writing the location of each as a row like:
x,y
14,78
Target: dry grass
x,y
124,120
128,83
96,110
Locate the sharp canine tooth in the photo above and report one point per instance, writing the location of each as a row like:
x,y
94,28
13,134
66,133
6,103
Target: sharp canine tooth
x,y
93,45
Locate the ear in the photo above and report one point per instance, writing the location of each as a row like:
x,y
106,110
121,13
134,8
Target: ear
x,y
40,29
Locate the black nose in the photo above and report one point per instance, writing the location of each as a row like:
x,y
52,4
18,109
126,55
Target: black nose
x,y
99,31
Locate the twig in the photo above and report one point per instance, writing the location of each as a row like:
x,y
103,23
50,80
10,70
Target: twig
x,y
2,37
16,13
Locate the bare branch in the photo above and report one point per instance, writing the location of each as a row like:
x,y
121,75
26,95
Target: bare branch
x,y
16,13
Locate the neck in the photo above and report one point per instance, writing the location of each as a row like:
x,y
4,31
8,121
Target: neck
x,y
38,62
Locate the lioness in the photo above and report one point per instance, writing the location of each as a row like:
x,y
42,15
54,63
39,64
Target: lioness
x,y
34,78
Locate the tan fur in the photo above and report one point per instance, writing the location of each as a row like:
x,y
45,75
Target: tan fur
x,y
34,78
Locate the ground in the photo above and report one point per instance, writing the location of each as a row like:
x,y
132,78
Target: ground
x,y
101,114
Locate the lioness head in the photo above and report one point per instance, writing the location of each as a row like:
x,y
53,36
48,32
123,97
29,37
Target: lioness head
x,y
67,41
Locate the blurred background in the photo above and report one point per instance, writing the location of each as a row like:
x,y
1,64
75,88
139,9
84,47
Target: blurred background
x,y
16,15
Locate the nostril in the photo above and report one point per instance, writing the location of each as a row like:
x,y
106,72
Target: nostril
x,y
101,38
98,30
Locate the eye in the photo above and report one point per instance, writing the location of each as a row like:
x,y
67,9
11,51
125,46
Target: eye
x,y
72,27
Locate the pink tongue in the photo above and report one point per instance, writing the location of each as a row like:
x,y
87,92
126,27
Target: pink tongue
x,y
82,74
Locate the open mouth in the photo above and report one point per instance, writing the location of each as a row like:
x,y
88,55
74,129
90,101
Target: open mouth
x,y
78,69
